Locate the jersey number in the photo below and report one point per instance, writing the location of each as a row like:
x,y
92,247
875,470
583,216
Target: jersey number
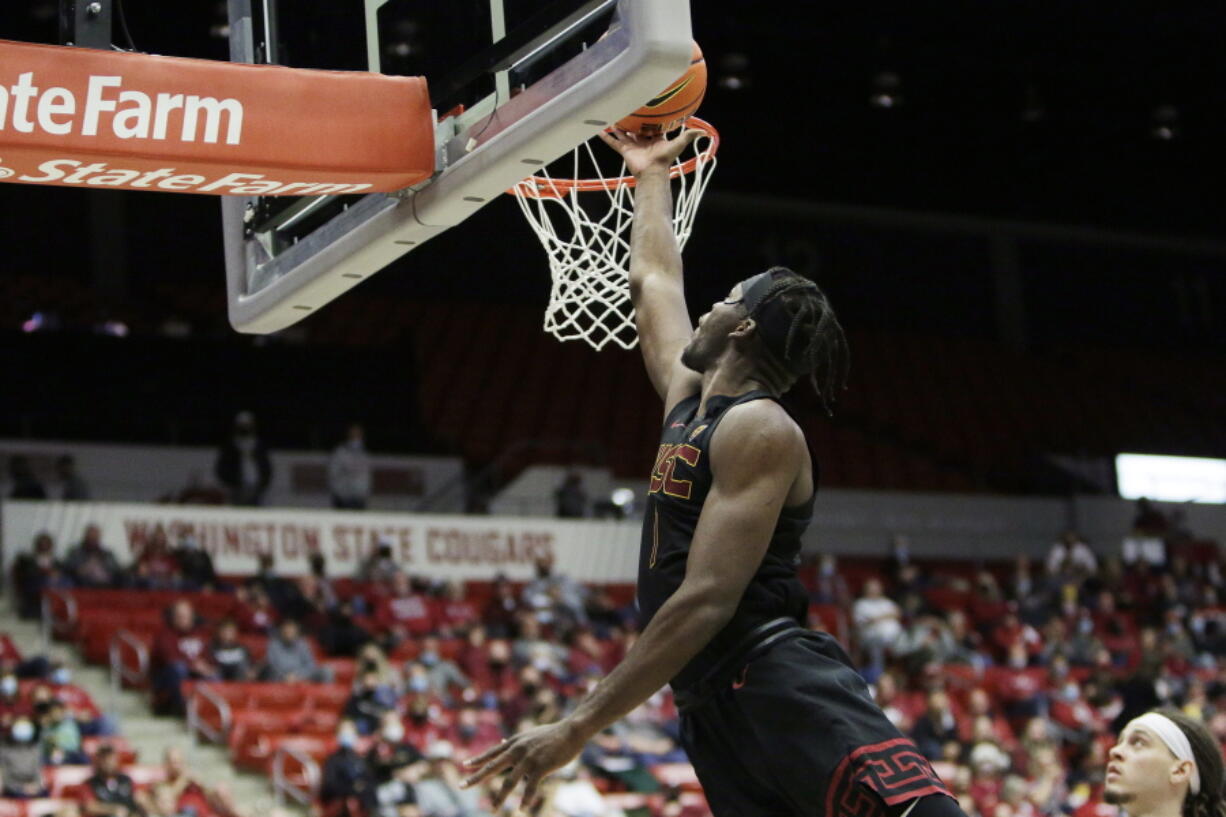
x,y
666,460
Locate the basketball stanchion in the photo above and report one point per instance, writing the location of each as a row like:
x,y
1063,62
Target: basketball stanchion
x,y
587,237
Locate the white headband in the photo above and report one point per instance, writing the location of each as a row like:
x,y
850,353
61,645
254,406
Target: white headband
x,y
1174,738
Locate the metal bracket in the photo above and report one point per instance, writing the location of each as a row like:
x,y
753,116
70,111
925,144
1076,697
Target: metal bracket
x,y
86,23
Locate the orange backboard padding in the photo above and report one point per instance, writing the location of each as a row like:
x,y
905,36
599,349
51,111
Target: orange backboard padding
x,y
111,120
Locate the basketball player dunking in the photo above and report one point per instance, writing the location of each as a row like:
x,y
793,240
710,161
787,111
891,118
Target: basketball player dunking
x,y
773,716
1165,764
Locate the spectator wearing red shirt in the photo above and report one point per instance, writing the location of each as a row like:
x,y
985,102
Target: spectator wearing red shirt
x,y
1010,632
253,611
156,568
456,614
471,734
180,652
186,792
406,612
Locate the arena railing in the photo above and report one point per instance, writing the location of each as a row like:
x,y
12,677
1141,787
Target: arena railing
x,y
120,672
197,725
283,787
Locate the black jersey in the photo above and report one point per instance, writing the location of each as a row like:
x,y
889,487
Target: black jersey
x,y
680,482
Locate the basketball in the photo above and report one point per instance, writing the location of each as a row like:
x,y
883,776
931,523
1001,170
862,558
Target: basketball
x,y
668,110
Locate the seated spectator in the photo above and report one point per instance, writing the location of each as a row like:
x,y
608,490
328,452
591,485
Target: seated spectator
x,y
184,793
445,677
471,735
612,759
35,571
1071,554
25,483
195,564
21,760
253,610
878,626
13,704
180,652
502,610
928,640
155,567
278,589
229,655
439,791
370,699
90,564
110,792
554,598
61,734
390,750
398,796
380,567
343,636
406,612
829,586
423,723
73,487
161,802
533,648
936,726
576,796
346,788
290,658
456,614
1011,631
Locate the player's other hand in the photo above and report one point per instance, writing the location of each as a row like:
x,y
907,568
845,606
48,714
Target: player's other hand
x,y
528,756
644,153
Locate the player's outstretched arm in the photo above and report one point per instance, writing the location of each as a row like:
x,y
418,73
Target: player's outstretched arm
x,y
756,455
656,287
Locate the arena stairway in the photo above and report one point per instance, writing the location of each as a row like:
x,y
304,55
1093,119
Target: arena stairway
x,y
148,734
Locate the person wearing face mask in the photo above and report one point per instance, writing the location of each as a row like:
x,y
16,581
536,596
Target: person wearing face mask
x,y
21,760
243,464
347,788
349,471
444,676
369,700
390,750
12,703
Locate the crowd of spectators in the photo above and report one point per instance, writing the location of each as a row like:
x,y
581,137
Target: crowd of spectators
x,y
1011,678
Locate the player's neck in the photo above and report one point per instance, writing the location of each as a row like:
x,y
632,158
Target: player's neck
x,y
731,376
1166,808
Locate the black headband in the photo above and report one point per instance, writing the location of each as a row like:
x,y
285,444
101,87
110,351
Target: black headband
x,y
772,317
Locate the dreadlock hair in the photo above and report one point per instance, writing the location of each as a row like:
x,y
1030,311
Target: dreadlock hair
x,y
1208,802
812,344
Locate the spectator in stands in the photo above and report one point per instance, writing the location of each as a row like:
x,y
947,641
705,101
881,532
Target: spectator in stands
x,y
349,471
444,675
1149,521
110,792
576,796
155,567
72,486
571,498
936,726
195,564
554,597
229,655
406,612
829,586
471,735
278,589
439,792
290,657
371,657
185,793
1071,553
34,571
13,704
389,750
346,787
878,625
343,636
91,564
253,610
532,648
180,652
161,802
397,797
61,734
24,484
243,464
369,700
456,613
21,758
380,567
927,641
499,616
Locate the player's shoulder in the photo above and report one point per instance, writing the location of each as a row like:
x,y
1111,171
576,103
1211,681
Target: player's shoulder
x,y
760,426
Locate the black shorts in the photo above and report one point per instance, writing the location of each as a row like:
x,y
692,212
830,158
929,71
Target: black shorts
x,y
795,733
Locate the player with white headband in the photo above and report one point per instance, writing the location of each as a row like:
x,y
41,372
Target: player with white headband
x,y
1165,764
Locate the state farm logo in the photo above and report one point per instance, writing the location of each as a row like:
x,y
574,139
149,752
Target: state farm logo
x,y
124,113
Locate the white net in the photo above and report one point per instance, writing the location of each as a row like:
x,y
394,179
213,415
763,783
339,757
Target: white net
x,y
586,234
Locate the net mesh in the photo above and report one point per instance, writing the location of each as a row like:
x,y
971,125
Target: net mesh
x,y
585,230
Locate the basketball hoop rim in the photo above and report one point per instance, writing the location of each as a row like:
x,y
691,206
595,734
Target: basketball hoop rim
x,y
537,187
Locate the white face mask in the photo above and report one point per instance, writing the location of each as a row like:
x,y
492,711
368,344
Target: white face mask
x,y
23,731
8,685
393,732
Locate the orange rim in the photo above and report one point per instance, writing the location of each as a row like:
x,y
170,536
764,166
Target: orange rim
x,y
536,187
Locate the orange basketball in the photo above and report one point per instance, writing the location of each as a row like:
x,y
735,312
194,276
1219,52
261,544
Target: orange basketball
x,y
669,109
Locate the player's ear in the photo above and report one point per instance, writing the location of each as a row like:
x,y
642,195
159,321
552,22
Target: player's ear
x,y
748,327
